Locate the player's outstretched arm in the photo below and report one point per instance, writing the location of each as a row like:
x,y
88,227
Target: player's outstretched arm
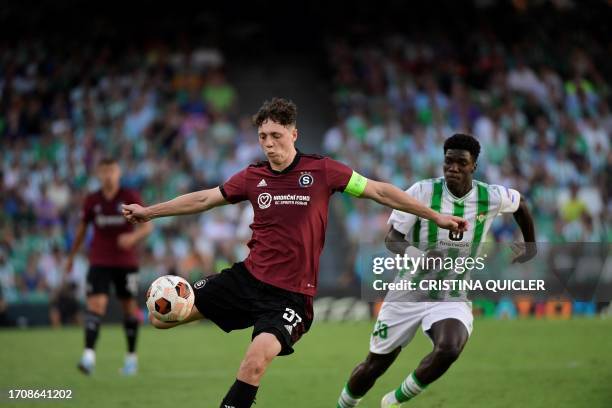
x,y
190,203
523,218
391,196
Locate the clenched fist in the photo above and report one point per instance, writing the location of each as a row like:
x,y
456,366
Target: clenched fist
x,y
135,213
451,222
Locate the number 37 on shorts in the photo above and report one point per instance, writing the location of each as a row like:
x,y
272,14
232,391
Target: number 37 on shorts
x,y
293,318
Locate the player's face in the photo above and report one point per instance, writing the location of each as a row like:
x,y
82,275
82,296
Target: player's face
x,y
277,141
458,168
109,175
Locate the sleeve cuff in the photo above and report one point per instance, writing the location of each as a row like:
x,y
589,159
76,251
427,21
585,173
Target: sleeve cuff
x,y
223,193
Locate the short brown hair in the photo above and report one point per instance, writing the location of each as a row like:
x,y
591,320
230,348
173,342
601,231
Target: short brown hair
x,y
106,161
279,110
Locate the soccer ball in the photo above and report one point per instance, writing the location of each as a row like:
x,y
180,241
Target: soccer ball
x,y
170,298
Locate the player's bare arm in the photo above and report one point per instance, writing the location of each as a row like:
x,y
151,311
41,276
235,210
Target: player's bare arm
x,y
78,241
391,196
523,218
395,242
191,203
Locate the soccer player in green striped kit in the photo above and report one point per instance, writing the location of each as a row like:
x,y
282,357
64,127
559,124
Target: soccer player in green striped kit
x,y
445,316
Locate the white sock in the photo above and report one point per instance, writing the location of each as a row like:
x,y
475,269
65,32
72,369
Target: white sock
x,y
89,355
131,357
347,400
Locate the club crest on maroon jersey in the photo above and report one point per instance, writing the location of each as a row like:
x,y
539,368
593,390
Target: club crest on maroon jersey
x,y
306,179
264,200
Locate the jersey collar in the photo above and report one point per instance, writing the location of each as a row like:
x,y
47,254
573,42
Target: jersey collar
x,y
290,167
112,198
453,196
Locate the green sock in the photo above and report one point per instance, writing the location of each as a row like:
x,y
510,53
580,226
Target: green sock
x,y
410,388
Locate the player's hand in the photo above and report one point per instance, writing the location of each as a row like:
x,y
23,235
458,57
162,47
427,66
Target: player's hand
x,y
451,222
524,251
126,241
135,213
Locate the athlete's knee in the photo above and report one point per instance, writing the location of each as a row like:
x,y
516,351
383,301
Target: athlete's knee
x,y
373,368
375,365
253,367
447,351
260,354
129,308
130,322
97,304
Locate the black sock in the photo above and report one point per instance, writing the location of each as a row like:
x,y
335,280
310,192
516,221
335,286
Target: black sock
x,y
92,328
131,332
240,395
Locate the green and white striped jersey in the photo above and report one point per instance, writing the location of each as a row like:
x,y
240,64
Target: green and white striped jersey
x,y
479,207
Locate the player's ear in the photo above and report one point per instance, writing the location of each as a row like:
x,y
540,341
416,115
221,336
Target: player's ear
x,y
474,168
294,134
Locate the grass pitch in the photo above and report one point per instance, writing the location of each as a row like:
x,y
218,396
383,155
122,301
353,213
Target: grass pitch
x,y
524,363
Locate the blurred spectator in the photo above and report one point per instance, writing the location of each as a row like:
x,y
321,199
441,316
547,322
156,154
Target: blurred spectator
x,y
172,121
218,94
575,207
537,98
544,126
32,280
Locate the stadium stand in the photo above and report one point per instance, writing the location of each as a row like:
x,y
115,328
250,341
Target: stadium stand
x,y
536,94
169,117
544,125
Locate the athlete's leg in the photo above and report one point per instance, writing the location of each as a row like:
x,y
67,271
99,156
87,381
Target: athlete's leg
x,y
126,287
96,308
449,336
367,372
130,326
364,376
98,287
192,317
262,350
395,327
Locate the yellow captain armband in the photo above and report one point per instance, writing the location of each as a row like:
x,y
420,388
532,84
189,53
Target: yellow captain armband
x,y
356,184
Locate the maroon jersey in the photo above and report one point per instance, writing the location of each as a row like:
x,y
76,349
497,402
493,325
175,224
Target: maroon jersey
x,y
290,219
109,223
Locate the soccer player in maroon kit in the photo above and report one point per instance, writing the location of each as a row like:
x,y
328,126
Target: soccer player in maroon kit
x,y
272,290
112,259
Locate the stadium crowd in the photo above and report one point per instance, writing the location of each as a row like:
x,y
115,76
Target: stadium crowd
x,y
544,126
169,117
539,106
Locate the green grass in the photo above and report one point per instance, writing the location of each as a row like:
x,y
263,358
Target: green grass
x,y
505,364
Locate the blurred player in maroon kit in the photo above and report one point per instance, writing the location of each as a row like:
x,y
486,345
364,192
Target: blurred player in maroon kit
x,y
272,289
113,259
